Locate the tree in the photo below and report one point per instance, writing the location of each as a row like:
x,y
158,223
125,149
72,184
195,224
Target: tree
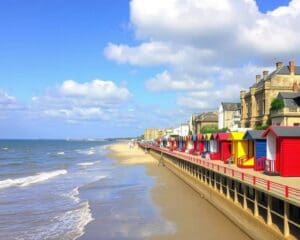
x,y
277,104
209,129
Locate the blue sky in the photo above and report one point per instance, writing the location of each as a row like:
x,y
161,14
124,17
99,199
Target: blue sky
x,y
150,71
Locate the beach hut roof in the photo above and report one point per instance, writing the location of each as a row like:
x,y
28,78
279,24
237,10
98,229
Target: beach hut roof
x,y
214,136
223,136
236,135
253,134
280,131
208,136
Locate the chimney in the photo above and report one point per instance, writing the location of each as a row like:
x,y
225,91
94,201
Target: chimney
x,y
292,67
265,74
258,77
278,65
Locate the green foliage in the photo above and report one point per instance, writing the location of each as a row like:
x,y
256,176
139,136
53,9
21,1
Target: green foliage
x,y
277,104
262,127
223,130
209,129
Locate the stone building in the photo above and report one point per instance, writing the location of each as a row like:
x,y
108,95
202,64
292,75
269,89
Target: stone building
x,y
153,133
289,115
229,115
204,119
256,103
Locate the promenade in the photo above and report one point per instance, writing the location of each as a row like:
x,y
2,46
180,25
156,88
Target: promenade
x,y
286,188
257,198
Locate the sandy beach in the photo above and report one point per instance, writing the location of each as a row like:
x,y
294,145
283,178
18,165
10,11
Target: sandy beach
x,y
193,216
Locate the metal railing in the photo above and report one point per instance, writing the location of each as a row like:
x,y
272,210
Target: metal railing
x,y
279,189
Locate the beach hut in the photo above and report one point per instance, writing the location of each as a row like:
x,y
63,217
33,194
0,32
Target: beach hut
x,y
206,150
214,152
190,144
239,148
181,144
283,151
176,143
256,149
164,142
171,143
224,146
200,143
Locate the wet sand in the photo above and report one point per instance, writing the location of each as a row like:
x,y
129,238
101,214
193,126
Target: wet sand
x,y
178,203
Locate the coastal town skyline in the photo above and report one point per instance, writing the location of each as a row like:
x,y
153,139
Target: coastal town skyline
x,y
107,69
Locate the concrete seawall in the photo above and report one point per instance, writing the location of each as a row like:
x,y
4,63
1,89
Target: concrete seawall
x,y
254,226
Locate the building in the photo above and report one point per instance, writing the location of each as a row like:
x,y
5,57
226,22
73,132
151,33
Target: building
x,y
182,130
256,103
229,115
153,133
204,119
289,114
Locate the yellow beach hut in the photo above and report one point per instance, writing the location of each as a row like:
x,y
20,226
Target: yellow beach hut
x,y
240,150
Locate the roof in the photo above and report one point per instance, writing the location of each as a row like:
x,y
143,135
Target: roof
x,y
253,134
290,99
208,136
284,70
236,135
223,136
283,131
207,117
229,106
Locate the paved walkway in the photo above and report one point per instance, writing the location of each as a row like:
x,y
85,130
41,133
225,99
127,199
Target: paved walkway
x,y
286,188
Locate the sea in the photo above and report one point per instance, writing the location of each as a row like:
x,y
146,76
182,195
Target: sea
x,y
55,189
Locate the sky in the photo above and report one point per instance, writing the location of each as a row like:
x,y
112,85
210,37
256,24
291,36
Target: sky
x,y
90,68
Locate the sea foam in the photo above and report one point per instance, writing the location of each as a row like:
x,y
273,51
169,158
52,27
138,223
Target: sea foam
x,y
90,151
26,181
87,163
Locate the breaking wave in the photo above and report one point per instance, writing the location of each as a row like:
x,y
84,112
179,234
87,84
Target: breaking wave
x,y
87,163
26,181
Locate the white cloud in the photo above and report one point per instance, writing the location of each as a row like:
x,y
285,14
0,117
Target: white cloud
x,y
8,102
210,49
96,89
157,53
209,100
165,81
97,100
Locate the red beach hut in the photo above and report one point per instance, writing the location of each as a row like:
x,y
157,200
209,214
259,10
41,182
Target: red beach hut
x,y
200,143
283,151
224,146
214,151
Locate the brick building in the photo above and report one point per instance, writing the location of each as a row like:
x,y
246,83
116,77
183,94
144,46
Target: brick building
x,y
256,103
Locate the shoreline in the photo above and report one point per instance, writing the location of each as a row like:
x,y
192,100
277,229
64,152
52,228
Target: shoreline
x,y
177,202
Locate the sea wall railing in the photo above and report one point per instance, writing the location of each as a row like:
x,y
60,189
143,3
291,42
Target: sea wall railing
x,y
281,190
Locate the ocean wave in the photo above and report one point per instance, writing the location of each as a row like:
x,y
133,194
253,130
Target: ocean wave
x,y
4,148
67,225
83,164
90,151
80,218
73,195
60,153
26,181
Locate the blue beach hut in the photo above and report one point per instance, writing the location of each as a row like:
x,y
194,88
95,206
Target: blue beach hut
x,y
256,148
